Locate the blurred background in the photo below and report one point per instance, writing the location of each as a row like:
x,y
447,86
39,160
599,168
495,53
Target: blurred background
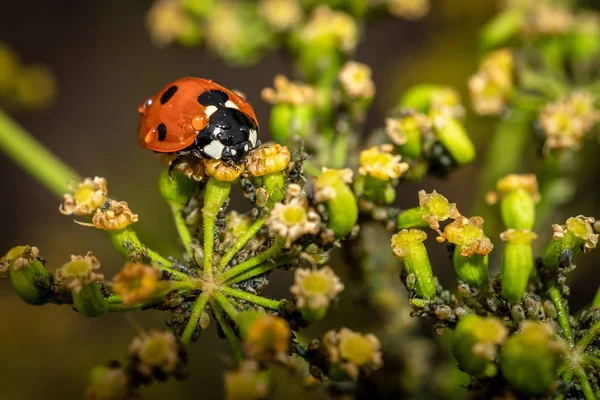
x,y
105,64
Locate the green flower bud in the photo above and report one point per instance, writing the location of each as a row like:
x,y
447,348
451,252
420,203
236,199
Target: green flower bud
x,y
531,357
331,187
473,270
453,136
517,263
81,278
474,343
419,96
408,246
575,236
501,29
29,279
517,204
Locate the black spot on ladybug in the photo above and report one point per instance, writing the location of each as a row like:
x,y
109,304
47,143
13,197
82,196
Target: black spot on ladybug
x,y
166,96
162,132
213,98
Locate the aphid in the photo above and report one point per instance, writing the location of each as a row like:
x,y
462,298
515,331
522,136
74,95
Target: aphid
x,y
199,117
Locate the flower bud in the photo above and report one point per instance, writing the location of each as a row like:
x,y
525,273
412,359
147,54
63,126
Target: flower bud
x,y
331,187
28,276
575,236
531,357
474,342
136,283
81,278
222,171
408,246
517,204
314,290
517,263
115,216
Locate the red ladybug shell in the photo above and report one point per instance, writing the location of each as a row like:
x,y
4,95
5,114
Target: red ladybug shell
x,y
176,106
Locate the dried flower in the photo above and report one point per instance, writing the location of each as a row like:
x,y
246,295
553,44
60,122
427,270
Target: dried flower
x,y
86,198
115,217
155,350
267,159
136,283
467,234
379,163
356,80
222,171
190,166
267,337
315,288
21,256
288,92
409,9
436,208
80,271
293,219
352,351
282,15
581,227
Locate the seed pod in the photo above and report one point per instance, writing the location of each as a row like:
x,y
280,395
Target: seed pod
x,y
531,357
519,196
473,270
575,236
408,246
517,263
453,136
331,187
28,276
474,342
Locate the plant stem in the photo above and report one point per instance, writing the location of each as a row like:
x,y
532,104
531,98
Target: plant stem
x,y
128,245
215,196
120,307
251,262
592,360
588,337
234,341
182,229
225,304
251,298
258,270
33,157
197,311
585,384
563,317
241,242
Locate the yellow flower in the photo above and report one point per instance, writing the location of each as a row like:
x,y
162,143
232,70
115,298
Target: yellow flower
x,y
409,9
288,92
80,271
436,208
324,185
379,163
491,85
293,219
467,233
247,383
352,351
86,198
315,288
222,171
155,350
356,80
267,337
398,128
115,217
166,21
136,283
282,15
581,227
325,23
267,159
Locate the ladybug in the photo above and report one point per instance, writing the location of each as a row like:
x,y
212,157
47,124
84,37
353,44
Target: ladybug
x,y
199,117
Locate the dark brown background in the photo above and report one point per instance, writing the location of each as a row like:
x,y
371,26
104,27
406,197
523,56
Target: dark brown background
x,y
105,64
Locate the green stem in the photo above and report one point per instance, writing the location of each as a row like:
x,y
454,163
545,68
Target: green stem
x,y
592,360
182,229
586,388
128,245
120,307
563,317
258,270
588,337
251,262
225,304
251,298
215,196
197,311
33,157
241,242
234,341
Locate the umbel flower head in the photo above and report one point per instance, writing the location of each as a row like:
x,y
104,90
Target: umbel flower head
x,y
379,163
80,271
86,198
352,352
135,283
267,159
315,288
